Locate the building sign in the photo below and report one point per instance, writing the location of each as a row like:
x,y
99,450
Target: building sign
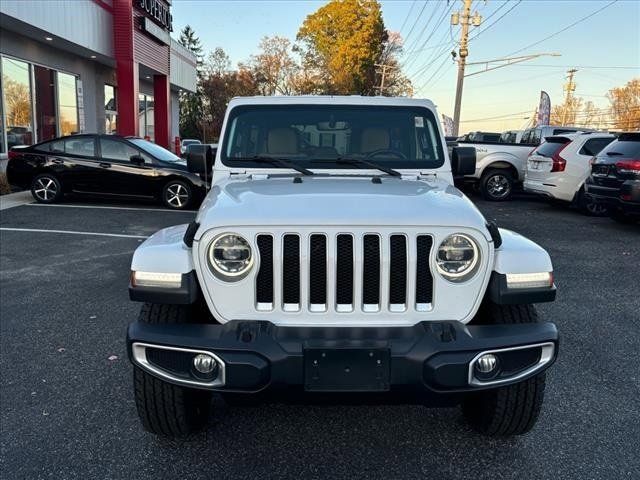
x,y
155,31
158,11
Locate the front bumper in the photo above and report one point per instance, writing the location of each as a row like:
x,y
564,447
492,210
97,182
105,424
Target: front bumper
x,y
256,356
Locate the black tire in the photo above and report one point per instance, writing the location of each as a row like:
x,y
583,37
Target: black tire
x,y
46,188
510,410
167,409
592,209
497,184
177,194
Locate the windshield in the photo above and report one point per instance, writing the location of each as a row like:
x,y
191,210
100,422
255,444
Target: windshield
x,y
155,150
190,142
314,135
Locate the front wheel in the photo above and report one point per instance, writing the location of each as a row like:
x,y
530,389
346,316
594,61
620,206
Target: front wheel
x,y
177,195
46,188
510,410
167,409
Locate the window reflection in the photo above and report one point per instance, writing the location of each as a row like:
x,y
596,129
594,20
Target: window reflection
x,y
16,88
67,104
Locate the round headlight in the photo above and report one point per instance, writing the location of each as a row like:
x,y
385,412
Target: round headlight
x,y
230,257
458,257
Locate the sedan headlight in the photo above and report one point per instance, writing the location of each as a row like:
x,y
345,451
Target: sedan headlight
x,y
230,257
458,257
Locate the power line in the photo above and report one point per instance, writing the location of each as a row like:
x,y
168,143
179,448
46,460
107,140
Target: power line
x,y
417,20
564,29
495,21
499,117
435,28
407,17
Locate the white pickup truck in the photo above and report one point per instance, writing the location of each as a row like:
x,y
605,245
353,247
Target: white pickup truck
x,y
501,166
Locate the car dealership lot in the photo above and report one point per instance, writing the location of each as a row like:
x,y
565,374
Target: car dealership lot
x,y
67,410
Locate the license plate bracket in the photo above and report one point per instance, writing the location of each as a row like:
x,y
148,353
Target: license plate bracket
x,y
346,369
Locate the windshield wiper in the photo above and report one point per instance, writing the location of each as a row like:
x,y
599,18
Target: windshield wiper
x,y
283,162
362,161
613,154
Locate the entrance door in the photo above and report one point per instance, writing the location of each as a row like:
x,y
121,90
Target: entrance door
x,y
45,103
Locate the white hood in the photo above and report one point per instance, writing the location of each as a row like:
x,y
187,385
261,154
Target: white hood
x,y
337,200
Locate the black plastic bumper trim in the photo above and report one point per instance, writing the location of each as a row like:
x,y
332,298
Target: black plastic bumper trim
x,y
429,356
502,295
185,295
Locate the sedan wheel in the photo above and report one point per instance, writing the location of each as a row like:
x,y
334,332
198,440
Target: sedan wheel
x,y
177,195
46,188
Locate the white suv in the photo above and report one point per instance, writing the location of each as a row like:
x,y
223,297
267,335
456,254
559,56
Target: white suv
x,y
558,168
333,255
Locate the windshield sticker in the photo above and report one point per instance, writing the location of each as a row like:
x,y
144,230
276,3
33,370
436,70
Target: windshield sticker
x,y
419,122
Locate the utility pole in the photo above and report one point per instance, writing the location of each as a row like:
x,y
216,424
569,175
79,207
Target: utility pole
x,y
465,19
383,76
569,87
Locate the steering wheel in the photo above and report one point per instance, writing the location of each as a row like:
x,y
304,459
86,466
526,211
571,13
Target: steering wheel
x,y
382,151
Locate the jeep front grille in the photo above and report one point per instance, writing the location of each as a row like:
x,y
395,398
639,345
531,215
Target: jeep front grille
x,y
344,272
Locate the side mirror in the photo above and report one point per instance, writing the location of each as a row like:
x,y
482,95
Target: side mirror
x,y
463,161
200,158
137,160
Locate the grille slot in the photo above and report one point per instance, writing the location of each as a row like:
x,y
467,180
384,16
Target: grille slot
x,y
344,273
424,278
371,273
317,273
264,279
397,273
291,272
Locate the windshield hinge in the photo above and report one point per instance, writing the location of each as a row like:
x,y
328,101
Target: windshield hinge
x,y
428,174
413,176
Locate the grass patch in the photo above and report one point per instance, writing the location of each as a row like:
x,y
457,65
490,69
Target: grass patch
x,y
4,184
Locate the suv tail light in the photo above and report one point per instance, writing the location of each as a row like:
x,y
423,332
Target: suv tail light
x,y
559,163
629,166
12,154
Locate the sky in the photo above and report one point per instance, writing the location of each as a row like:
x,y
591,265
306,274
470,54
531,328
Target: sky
x,y
605,48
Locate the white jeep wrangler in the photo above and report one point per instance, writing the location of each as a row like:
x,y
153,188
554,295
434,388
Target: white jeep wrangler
x,y
334,255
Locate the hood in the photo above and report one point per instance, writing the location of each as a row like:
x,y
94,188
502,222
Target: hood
x,y
334,200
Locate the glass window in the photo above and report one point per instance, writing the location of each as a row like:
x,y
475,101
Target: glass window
x,y
110,109
156,150
16,88
117,150
593,146
145,116
627,148
550,147
67,104
315,135
81,146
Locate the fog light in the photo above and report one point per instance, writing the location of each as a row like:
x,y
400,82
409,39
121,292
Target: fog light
x,y
204,364
487,363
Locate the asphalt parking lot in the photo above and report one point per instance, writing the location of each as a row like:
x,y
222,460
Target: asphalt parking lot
x,y
67,408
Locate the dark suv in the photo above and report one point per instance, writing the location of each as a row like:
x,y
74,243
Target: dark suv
x,y
615,178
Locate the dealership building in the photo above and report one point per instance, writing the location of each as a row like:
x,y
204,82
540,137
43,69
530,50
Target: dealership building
x,y
90,66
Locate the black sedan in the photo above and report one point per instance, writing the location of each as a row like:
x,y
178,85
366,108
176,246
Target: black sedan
x,y
615,178
104,165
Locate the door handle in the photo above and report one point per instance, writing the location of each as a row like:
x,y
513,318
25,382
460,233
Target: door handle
x,y
57,161
105,164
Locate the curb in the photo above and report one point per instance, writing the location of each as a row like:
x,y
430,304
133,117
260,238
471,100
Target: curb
x,y
15,199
